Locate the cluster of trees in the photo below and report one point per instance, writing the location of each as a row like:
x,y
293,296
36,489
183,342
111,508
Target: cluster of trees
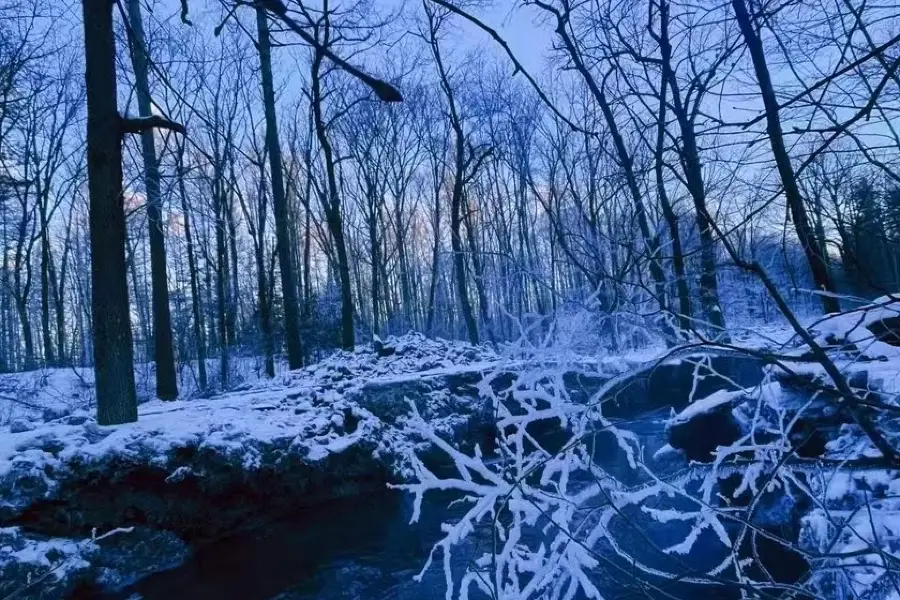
x,y
275,197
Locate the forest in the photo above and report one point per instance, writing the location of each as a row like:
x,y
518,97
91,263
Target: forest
x,y
197,196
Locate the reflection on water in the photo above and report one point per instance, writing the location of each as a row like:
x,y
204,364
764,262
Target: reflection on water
x,y
360,548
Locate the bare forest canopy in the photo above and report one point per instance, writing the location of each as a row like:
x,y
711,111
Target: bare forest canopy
x,y
187,182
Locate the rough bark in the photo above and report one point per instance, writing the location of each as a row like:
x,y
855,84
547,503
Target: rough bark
x,y
113,352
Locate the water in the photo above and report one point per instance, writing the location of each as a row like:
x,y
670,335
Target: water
x,y
361,548
358,548
364,549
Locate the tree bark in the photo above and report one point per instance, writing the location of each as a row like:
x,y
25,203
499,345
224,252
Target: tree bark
x,y
709,286
192,274
113,352
814,256
456,197
681,284
49,357
279,201
333,208
166,382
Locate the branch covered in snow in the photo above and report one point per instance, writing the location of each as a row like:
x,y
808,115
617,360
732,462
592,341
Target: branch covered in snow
x,y
142,124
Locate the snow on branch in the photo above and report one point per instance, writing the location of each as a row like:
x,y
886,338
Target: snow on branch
x,y
142,124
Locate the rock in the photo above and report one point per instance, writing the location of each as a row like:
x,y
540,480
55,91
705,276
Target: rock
x,y
699,430
123,558
351,421
75,419
886,329
20,426
41,569
52,413
381,349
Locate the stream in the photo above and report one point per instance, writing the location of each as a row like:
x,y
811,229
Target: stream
x,y
361,548
364,548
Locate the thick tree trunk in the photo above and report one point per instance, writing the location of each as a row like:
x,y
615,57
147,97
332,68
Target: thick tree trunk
x,y
113,352
279,201
814,256
166,382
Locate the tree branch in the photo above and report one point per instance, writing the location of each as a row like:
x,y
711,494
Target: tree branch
x,y
142,124
385,91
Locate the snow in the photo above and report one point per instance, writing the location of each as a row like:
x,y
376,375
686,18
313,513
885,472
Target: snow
x,y
55,557
51,393
706,405
410,395
851,329
302,406
308,415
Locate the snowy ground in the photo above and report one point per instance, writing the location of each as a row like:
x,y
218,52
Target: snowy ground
x,y
313,416
47,394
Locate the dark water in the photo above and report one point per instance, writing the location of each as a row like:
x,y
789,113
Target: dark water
x,y
359,548
365,549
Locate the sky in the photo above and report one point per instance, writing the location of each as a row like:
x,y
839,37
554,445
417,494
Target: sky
x,y
528,40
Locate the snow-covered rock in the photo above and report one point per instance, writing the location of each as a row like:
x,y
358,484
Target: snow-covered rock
x,y
705,425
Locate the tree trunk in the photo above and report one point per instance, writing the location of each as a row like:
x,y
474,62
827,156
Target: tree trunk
x,y
478,272
265,319
25,326
279,201
113,352
814,256
47,339
681,284
233,283
58,292
192,274
459,259
435,256
222,291
166,382
690,154
625,162
333,209
375,258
